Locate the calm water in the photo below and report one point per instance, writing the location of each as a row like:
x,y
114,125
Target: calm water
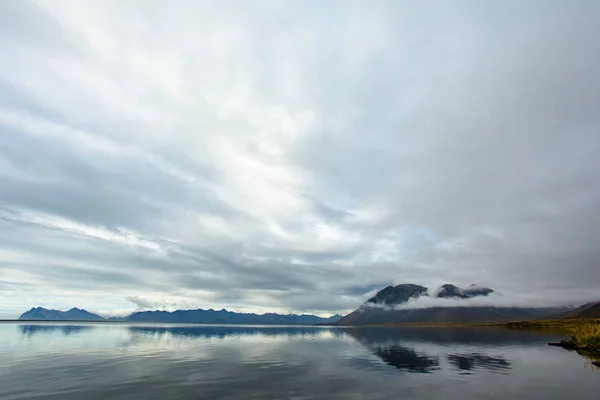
x,y
117,361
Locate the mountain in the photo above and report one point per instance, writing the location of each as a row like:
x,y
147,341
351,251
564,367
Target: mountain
x,y
381,308
443,315
400,294
589,310
377,308
333,319
393,295
448,291
74,314
182,316
115,319
474,291
211,316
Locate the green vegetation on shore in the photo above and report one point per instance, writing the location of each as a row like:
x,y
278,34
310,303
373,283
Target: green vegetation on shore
x,y
582,335
562,325
567,324
587,337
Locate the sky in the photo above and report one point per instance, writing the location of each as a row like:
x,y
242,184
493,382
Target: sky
x,y
296,156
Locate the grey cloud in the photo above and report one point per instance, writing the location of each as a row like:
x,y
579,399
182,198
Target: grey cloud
x,y
296,157
141,303
362,289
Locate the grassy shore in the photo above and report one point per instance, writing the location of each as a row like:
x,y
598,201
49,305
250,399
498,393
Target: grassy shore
x,y
563,325
587,336
586,341
566,324
581,335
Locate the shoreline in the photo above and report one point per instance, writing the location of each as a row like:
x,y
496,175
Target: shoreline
x,y
533,324
591,353
549,323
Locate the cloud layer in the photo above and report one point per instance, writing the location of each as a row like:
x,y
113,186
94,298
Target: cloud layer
x,y
295,156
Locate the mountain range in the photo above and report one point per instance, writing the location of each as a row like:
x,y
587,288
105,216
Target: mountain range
x,y
589,310
229,317
390,305
74,314
382,308
198,316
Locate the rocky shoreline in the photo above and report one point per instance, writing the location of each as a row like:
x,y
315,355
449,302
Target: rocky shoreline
x,y
586,351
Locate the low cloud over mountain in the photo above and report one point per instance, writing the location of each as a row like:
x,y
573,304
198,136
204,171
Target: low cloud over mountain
x,y
417,304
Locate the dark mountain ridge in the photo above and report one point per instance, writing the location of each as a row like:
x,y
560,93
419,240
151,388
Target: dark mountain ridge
x,y
198,316
393,295
74,314
228,317
589,310
400,294
450,291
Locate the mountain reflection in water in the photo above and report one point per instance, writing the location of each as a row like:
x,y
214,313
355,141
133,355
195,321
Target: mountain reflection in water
x,y
414,350
120,361
470,362
420,350
221,332
66,330
405,358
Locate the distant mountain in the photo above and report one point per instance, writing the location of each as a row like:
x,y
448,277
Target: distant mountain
x,y
182,316
333,319
453,315
115,319
211,316
380,308
74,314
589,310
377,316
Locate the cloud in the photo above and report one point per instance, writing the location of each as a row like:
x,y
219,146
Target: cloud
x,y
141,303
286,157
492,300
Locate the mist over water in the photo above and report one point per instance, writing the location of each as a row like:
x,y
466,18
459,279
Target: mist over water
x,y
120,361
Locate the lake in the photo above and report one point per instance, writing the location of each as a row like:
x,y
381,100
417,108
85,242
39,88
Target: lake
x,y
121,361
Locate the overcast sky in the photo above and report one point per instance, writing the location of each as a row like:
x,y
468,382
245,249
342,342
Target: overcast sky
x,y
296,156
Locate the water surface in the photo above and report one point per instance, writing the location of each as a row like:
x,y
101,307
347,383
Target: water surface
x,y
120,361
